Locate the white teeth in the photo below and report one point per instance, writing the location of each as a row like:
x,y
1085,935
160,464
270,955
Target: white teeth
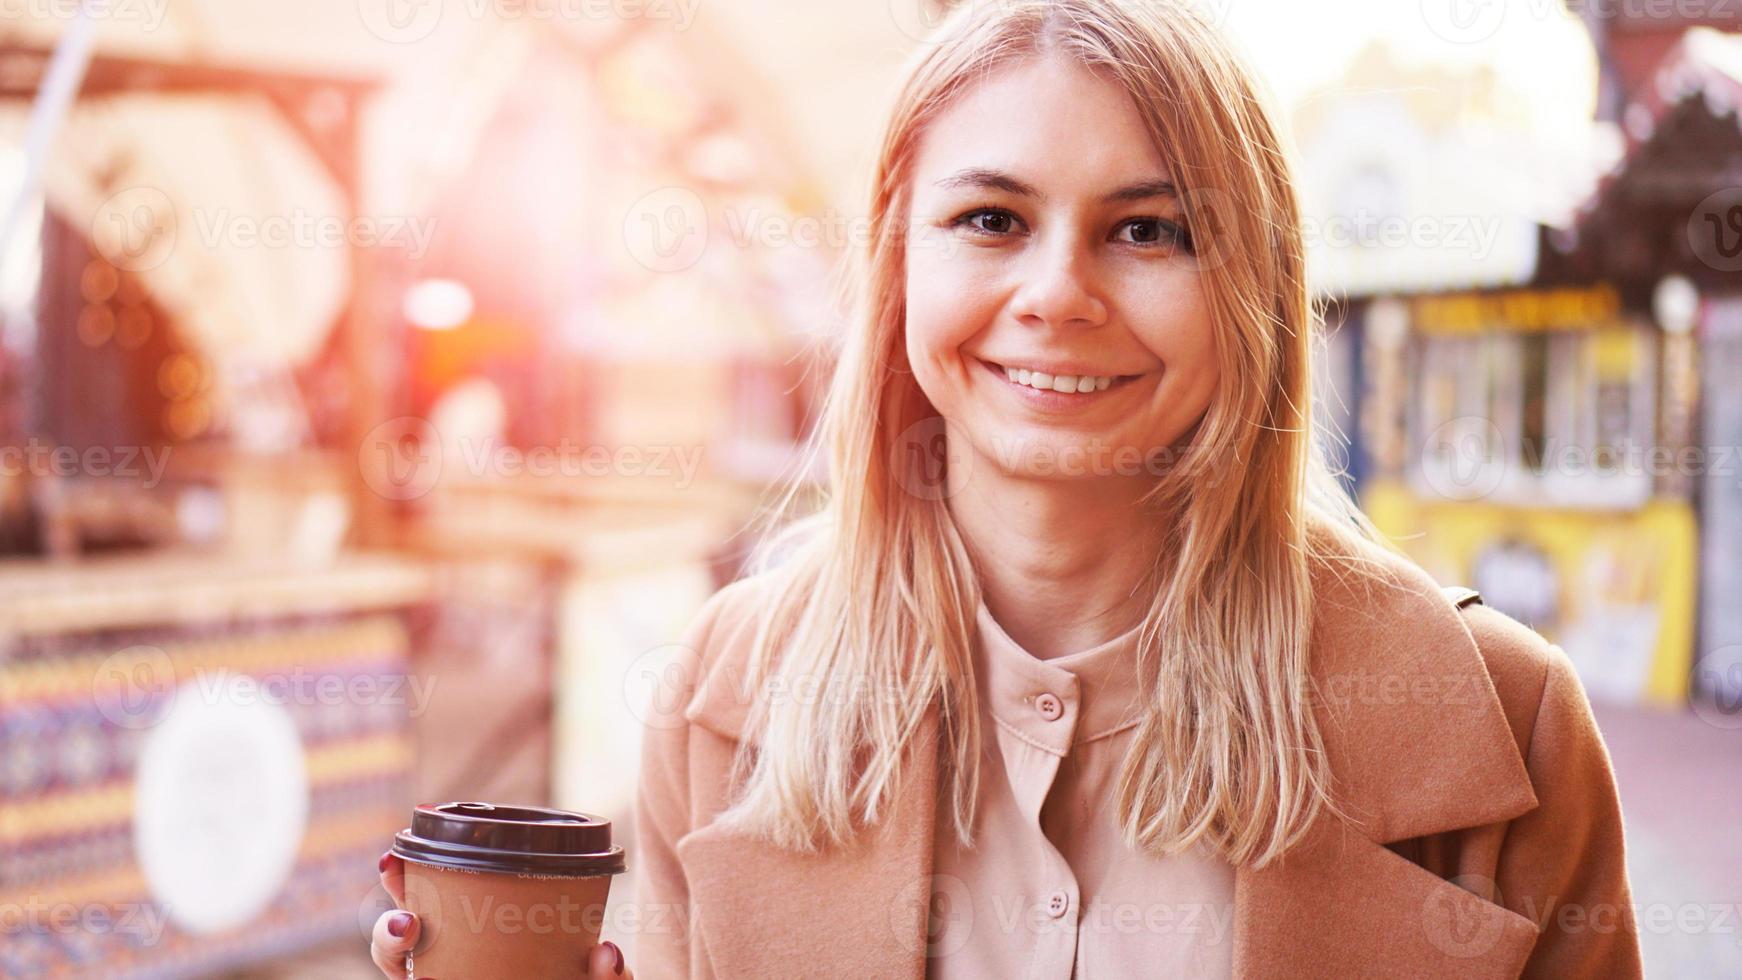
x,y
1068,383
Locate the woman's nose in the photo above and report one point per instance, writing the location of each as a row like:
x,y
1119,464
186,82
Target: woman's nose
x,y
1059,288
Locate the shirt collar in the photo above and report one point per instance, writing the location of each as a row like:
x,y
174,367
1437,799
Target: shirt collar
x,y
1096,688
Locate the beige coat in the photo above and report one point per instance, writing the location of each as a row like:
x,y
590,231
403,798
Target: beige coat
x,y
1490,843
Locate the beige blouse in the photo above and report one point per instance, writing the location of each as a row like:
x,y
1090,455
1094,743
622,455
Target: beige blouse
x,y
1050,890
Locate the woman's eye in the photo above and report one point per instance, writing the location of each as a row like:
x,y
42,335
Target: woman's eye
x,y
989,221
1151,231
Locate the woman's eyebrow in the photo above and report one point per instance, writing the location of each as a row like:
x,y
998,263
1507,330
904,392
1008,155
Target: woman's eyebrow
x,y
1143,191
996,180
986,179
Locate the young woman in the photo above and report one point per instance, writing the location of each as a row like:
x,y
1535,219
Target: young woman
x,y
1087,667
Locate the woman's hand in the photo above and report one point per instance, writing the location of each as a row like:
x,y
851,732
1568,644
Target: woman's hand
x,y
396,933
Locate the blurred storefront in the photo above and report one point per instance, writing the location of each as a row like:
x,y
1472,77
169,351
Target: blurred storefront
x,y
1512,463
1569,449
1665,225
298,531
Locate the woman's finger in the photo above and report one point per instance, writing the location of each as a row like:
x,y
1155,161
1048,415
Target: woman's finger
x,y
607,961
392,868
395,933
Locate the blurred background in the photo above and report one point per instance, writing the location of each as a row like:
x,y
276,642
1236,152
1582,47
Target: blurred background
x,y
385,383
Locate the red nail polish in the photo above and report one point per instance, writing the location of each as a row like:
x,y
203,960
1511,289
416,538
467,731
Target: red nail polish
x,y
397,925
381,865
617,955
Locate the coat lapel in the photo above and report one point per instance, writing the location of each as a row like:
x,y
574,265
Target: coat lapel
x,y
1418,745
761,911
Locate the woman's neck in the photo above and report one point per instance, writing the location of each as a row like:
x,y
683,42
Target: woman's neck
x,y
1058,559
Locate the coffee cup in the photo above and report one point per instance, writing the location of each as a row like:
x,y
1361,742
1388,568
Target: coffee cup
x,y
505,891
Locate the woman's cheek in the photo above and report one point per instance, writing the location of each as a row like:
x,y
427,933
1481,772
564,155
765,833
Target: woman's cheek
x,y
942,310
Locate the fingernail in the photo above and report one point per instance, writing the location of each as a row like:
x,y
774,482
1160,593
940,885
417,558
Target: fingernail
x,y
381,865
617,956
397,925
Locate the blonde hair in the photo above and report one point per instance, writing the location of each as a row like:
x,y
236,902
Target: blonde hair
x,y
873,595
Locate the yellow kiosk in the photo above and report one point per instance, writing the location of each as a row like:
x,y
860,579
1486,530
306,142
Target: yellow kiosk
x,y
1534,444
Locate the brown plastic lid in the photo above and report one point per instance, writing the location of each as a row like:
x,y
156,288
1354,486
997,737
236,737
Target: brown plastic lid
x,y
509,840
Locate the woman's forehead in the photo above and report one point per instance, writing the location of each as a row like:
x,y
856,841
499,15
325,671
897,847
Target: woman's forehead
x,y
1045,121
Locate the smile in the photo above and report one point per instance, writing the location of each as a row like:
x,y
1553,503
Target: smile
x,y
1074,387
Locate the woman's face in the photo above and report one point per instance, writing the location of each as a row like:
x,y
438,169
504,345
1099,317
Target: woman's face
x,y
1045,238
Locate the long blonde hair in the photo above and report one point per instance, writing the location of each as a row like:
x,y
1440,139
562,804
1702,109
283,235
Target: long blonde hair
x,y
873,595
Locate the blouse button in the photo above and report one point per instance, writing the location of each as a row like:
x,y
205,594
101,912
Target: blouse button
x,y
1057,903
1049,707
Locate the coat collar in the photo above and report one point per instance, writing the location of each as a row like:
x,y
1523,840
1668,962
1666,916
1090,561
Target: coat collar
x,y
1418,744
